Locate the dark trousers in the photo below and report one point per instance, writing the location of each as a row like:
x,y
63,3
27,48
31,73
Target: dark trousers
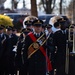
x,y
60,63
72,65
61,70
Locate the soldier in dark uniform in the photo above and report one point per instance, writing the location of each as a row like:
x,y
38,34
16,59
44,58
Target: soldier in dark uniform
x,y
20,45
50,39
0,47
26,30
50,46
3,51
12,39
60,43
1,31
34,56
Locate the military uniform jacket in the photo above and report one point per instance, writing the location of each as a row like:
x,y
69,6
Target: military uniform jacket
x,y
59,40
50,43
20,45
3,44
12,40
36,64
0,48
3,50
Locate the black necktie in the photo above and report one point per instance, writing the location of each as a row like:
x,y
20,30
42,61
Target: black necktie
x,y
38,35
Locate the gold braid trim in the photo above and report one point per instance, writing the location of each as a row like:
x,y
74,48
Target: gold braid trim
x,y
32,50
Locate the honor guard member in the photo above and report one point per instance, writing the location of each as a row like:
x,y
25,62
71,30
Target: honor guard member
x,y
48,26
36,62
20,46
12,39
50,46
60,44
3,51
66,50
26,30
27,27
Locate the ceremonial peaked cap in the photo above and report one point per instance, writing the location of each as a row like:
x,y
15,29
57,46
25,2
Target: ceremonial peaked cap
x,y
28,23
9,28
37,23
48,26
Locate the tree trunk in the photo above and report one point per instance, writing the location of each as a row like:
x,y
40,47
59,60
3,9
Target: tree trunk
x,y
14,4
23,3
60,10
48,6
33,8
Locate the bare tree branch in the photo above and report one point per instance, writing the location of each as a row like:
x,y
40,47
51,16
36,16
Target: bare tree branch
x,y
53,5
43,2
47,5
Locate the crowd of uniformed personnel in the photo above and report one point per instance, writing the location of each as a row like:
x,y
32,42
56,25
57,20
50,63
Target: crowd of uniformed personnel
x,y
37,51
